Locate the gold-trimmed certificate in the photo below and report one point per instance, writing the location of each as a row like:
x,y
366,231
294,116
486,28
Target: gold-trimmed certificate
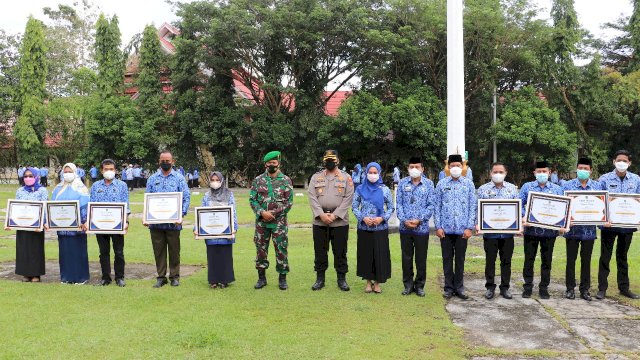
x,y
589,207
214,222
63,215
25,215
162,208
106,218
500,216
548,211
624,210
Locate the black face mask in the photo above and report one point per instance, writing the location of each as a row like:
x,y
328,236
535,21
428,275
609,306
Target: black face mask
x,y
165,166
272,169
330,165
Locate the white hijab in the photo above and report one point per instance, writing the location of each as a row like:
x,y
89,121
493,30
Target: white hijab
x,y
76,184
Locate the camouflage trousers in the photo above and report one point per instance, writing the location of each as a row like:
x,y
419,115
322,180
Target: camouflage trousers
x,y
280,245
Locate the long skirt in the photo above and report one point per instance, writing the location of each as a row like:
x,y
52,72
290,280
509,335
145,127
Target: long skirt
x,y
74,260
30,253
220,264
374,257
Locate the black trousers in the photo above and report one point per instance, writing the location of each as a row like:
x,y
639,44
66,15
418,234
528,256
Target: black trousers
x,y
453,247
104,244
44,181
336,237
586,248
606,250
491,249
546,256
411,244
161,241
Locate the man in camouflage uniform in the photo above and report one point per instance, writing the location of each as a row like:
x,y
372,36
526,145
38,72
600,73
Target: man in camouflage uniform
x,y
271,198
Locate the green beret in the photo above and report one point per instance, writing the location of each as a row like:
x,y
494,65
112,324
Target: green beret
x,y
273,155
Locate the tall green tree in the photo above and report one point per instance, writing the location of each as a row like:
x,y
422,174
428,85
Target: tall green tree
x,y
108,56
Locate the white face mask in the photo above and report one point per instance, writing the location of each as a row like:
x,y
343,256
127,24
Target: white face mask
x,y
69,177
109,174
415,173
497,178
622,166
373,178
215,185
455,172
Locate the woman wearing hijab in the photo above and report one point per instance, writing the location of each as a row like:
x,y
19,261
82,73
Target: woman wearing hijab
x,y
30,244
373,206
220,251
356,175
74,260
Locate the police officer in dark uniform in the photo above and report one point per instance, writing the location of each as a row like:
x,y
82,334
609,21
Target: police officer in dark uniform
x,y
330,196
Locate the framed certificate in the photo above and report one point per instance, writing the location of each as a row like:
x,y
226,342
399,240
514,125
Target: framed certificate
x,y
63,215
589,207
500,216
25,215
548,211
162,208
214,222
106,218
624,210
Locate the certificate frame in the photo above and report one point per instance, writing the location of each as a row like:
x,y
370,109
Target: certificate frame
x,y
226,211
52,223
510,205
119,229
540,196
36,226
601,195
615,196
174,198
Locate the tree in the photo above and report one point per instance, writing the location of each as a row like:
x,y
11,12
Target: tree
x,y
9,81
108,56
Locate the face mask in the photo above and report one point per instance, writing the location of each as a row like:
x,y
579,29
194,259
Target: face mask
x,y
415,173
69,177
29,181
373,178
622,166
455,172
109,174
272,169
542,177
330,165
497,178
215,185
165,166
583,174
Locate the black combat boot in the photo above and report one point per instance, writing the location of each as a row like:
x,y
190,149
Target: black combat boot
x,y
342,282
282,282
319,284
262,280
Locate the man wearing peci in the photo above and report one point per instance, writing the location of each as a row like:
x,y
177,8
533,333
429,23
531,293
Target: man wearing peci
x,y
330,195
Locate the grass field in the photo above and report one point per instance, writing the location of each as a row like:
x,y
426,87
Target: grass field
x,y
192,321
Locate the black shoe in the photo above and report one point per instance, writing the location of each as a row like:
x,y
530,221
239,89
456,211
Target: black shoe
x,y
420,292
104,283
489,294
319,284
570,294
120,282
282,282
601,294
342,284
544,294
262,280
629,294
160,283
526,293
506,294
462,295
408,289
585,295
175,282
447,294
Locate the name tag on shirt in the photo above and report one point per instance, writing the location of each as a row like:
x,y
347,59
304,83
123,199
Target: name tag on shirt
x,y
407,188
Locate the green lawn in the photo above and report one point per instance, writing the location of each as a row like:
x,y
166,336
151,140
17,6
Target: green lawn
x,y
192,321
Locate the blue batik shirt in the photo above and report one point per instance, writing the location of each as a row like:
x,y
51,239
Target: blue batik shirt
x,y
40,195
174,182
117,191
630,184
207,201
44,172
415,202
93,172
581,232
362,208
455,205
549,188
491,191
